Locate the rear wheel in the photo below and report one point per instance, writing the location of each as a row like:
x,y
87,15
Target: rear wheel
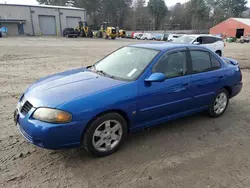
x,y
113,38
105,134
220,103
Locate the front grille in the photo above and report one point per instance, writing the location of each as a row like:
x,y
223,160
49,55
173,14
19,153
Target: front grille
x,y
26,108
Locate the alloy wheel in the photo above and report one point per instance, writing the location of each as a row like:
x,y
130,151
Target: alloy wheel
x,y
220,103
107,135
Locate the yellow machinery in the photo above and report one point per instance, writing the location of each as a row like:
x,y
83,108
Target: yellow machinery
x,y
122,33
107,31
84,30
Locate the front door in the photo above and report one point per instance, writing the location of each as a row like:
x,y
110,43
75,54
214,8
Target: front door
x,y
158,100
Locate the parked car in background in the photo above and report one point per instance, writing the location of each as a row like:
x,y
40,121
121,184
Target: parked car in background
x,y
156,36
151,36
216,44
243,39
137,35
169,37
146,36
70,32
135,87
246,39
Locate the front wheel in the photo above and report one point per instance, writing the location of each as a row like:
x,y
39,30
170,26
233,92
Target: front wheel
x,y
219,105
105,134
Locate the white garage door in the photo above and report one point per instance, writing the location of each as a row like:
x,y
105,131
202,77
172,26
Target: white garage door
x,y
72,22
47,25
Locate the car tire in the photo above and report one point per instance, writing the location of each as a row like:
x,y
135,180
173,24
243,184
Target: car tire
x,y
219,104
105,134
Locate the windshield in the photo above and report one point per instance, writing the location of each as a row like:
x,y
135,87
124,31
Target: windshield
x,y
184,39
126,63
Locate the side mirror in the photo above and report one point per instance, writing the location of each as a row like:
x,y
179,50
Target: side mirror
x,y
196,43
156,77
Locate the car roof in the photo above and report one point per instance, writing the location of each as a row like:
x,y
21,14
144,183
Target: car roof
x,y
162,46
203,35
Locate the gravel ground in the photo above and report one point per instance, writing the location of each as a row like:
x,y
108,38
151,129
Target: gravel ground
x,y
197,151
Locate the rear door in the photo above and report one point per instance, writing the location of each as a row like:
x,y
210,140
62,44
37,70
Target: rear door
x,y
207,76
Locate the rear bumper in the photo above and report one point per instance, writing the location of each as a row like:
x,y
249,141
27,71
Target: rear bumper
x,y
50,136
236,89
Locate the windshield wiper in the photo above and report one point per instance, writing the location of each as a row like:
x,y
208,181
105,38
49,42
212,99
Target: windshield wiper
x,y
103,73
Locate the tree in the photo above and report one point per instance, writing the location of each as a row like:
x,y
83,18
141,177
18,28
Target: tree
x,y
221,10
234,8
158,11
141,16
177,17
198,13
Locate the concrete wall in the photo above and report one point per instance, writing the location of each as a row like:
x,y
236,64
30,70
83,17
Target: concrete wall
x,y
48,12
228,28
65,13
12,28
19,13
31,13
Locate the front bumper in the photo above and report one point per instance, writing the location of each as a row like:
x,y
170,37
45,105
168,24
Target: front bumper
x,y
47,135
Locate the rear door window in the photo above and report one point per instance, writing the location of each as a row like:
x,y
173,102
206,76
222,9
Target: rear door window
x,y
200,61
215,62
203,61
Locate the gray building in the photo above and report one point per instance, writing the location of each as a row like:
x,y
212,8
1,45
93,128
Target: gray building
x,y
39,19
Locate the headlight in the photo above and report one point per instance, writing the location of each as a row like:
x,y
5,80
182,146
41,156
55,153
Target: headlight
x,y
52,115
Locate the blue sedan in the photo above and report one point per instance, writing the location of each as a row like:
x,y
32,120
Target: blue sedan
x,y
135,87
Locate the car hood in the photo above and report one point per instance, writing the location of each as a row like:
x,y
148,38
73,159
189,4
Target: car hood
x,y
63,87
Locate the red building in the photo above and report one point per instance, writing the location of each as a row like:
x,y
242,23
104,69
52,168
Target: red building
x,y
232,27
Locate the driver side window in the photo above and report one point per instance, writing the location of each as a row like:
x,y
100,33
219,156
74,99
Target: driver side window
x,y
199,39
172,65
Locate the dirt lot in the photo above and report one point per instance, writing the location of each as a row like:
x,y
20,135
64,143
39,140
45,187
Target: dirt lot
x,y
194,152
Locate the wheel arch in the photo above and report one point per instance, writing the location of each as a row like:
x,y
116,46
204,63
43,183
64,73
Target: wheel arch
x,y
229,90
118,111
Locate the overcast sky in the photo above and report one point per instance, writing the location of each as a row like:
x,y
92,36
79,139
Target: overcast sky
x,y
34,2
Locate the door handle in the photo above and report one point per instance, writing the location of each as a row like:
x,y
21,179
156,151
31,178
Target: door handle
x,y
220,77
185,84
